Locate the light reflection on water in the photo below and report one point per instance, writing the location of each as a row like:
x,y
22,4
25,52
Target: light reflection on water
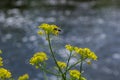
x,y
83,27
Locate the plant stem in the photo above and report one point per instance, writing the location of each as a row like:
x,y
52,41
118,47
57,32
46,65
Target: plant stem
x,y
81,64
68,63
69,59
74,65
55,60
45,77
44,72
47,71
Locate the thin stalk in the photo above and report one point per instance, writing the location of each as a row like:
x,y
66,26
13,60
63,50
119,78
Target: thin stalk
x,y
69,59
74,65
68,63
45,77
48,37
47,71
81,64
44,73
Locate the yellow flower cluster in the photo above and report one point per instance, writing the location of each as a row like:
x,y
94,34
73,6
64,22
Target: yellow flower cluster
x,y
69,47
24,77
84,52
1,62
37,58
62,65
74,74
48,29
4,74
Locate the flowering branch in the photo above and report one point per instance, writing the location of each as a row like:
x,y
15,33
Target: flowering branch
x,y
82,55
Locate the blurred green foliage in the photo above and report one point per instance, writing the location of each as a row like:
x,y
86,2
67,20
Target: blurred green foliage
x,y
23,4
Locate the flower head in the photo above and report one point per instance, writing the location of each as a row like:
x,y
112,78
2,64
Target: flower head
x,y
92,56
37,58
74,74
69,47
24,77
40,32
4,74
88,62
1,62
78,50
49,29
61,64
86,53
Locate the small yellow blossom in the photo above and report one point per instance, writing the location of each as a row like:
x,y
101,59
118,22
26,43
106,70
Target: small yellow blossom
x,y
69,47
88,62
1,62
86,50
78,50
4,74
0,51
92,55
74,74
24,77
50,29
85,53
61,64
83,78
38,58
40,32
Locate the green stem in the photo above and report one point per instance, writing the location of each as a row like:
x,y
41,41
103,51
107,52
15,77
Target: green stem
x,y
81,64
45,77
68,63
47,71
74,65
69,59
44,72
48,37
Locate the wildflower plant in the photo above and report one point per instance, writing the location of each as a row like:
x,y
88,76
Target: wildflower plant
x,y
5,74
24,77
63,70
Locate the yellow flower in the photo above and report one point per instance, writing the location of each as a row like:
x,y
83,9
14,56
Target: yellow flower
x,y
24,77
74,74
92,55
1,62
85,53
78,50
87,50
4,74
69,47
88,62
44,26
50,29
0,51
40,32
61,64
82,78
37,58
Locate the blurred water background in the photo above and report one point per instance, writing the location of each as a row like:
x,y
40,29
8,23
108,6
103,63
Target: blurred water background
x,y
85,23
